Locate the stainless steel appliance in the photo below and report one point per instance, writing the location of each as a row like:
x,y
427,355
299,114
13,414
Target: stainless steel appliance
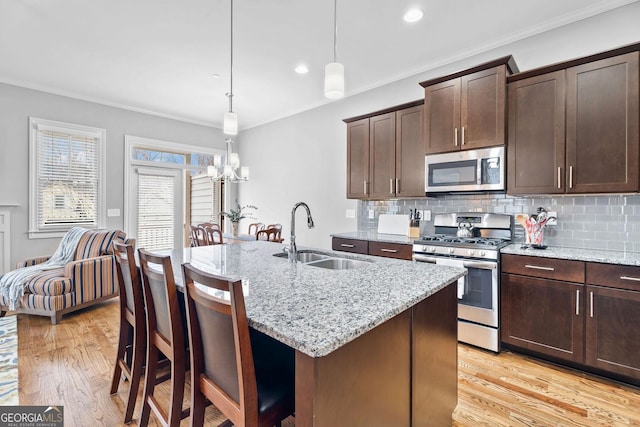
x,y
466,171
478,291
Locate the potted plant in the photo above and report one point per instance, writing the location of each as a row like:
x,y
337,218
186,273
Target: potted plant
x,y
235,215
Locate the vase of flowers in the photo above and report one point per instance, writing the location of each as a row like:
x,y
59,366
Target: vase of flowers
x,y
235,215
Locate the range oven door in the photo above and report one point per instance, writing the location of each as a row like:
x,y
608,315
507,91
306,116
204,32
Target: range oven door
x,y
477,291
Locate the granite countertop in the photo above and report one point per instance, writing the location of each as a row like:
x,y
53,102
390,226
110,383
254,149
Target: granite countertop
x,y
376,237
312,309
576,254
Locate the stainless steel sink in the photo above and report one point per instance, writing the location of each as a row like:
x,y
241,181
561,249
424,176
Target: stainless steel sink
x,y
304,256
338,263
322,260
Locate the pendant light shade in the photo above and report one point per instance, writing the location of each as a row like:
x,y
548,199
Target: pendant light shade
x,y
334,80
230,126
334,71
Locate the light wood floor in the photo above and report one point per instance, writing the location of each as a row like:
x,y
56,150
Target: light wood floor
x,y
71,364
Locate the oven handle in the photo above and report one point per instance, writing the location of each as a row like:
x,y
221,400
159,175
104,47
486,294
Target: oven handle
x,y
480,265
424,258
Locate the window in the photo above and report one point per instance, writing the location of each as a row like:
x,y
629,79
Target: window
x,y
66,177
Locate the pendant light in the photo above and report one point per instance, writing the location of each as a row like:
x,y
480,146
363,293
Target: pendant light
x,y
334,71
230,126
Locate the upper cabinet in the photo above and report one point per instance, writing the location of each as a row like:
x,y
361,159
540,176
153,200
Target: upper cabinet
x,y
573,127
467,110
385,154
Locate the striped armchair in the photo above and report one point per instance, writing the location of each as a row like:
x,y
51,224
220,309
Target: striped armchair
x,y
87,280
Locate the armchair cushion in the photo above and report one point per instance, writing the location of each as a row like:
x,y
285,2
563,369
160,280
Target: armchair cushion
x,y
97,243
50,282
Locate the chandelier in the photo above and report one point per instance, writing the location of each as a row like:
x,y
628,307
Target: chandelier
x,y
229,170
334,71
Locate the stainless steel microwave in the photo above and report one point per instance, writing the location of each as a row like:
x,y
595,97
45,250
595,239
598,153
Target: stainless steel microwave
x,y
467,171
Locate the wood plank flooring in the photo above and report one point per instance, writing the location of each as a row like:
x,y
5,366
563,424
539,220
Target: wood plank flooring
x,y
71,364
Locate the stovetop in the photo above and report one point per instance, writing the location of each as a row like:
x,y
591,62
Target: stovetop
x,y
451,240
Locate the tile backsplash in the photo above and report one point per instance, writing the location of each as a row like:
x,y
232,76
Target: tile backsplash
x,y
596,222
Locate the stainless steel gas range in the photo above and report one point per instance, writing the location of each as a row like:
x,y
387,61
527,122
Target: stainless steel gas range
x,y
471,240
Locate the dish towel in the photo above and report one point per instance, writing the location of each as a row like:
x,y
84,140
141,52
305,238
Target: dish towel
x,y
12,283
455,263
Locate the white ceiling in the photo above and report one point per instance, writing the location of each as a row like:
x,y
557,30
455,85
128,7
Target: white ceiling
x,y
159,56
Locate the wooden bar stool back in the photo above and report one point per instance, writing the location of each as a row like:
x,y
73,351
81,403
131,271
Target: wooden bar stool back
x,y
199,236
132,341
223,352
166,335
214,236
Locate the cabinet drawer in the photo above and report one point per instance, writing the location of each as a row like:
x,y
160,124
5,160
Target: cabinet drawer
x,y
391,250
548,268
614,276
350,245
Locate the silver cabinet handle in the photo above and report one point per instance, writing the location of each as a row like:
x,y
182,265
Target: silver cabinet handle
x,y
391,186
462,135
591,303
455,137
346,245
634,279
365,188
577,302
397,186
570,176
559,177
393,251
537,267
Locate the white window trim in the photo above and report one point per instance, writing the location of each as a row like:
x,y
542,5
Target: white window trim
x,y
131,142
36,124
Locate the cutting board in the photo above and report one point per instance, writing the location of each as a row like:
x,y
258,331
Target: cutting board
x,y
393,224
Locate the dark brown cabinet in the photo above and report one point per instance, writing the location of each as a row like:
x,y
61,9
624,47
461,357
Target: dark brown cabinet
x,y
583,313
575,129
385,154
357,158
383,249
541,312
612,319
467,110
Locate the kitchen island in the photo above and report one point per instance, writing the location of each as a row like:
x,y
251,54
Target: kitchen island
x,y
376,345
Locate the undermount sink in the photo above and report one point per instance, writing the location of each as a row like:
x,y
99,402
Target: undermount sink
x,y
317,259
338,263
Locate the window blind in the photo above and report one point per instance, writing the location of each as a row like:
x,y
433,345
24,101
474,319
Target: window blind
x,y
67,179
156,207
206,199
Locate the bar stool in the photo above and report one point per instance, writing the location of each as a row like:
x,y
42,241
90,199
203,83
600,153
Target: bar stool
x,y
131,343
247,375
166,335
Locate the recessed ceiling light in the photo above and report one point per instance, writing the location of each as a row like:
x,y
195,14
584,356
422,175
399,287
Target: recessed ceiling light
x,y
301,69
215,76
413,15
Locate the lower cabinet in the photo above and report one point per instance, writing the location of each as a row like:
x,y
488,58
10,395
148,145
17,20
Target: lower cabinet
x,y
543,315
384,249
592,321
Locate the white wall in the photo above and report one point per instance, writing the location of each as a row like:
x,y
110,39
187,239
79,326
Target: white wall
x,y
303,157
18,104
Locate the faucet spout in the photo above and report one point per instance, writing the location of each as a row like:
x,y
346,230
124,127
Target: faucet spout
x,y
293,250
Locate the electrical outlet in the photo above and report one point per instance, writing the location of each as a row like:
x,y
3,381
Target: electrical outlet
x,y
371,214
553,218
351,213
113,212
426,215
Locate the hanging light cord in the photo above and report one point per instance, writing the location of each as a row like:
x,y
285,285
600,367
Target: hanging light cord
x,y
335,28
231,68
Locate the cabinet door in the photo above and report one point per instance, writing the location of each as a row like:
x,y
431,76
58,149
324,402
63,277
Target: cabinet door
x,y
357,159
391,250
442,116
350,245
410,153
536,135
613,332
602,125
382,152
482,108
544,316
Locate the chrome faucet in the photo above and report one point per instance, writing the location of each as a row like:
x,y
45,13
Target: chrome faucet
x,y
293,250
